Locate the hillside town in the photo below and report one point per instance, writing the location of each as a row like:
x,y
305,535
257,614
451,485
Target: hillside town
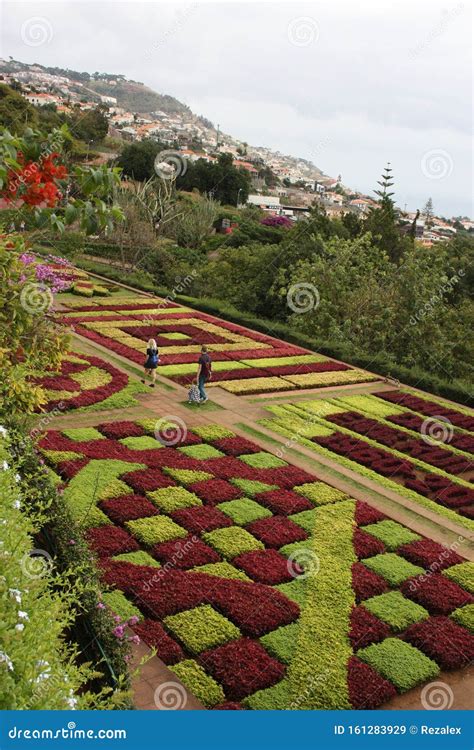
x,y
281,185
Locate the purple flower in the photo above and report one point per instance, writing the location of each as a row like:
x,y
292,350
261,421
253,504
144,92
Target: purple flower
x,y
134,639
119,631
133,620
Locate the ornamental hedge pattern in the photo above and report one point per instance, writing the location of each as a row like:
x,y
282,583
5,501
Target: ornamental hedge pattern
x,y
87,382
375,435
244,361
253,580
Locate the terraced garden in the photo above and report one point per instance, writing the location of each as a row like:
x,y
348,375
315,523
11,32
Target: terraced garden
x,y
259,584
245,361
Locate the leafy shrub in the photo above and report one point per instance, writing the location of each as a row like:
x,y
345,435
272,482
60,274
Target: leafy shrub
x,y
201,628
243,510
200,684
154,530
232,541
169,499
400,663
463,574
395,610
393,568
392,534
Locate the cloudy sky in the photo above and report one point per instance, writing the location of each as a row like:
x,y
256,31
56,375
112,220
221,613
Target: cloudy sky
x,y
348,85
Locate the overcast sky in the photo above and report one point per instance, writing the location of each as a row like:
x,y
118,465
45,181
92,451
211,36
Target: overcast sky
x,y
349,85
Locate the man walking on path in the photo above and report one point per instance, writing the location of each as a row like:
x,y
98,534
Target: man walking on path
x,y
204,373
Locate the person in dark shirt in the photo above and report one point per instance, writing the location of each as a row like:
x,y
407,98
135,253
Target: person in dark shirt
x,y
152,360
204,373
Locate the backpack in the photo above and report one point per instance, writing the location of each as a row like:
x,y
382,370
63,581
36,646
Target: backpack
x,y
194,396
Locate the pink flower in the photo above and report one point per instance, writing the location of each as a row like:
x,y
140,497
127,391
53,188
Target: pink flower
x,y
134,639
119,631
100,605
72,541
133,620
117,618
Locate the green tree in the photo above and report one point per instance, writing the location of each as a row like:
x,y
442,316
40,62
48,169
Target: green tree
x,y
428,213
219,180
137,159
382,222
91,126
16,114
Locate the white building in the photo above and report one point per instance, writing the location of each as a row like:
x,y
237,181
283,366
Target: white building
x,y
270,203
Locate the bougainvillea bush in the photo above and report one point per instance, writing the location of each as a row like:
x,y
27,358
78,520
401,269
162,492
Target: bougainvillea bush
x,y
356,432
88,382
244,361
260,586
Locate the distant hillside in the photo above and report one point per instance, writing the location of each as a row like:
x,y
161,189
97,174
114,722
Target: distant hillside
x,y
135,97
131,95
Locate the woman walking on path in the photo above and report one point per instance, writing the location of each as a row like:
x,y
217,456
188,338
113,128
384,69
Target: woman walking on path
x,y
152,361
204,373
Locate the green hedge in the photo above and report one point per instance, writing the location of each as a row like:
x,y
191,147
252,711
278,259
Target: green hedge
x,y
454,390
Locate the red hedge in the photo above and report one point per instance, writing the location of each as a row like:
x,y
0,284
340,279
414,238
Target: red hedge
x,y
242,667
185,553
283,502
147,480
366,583
117,430
128,508
236,446
366,628
449,644
155,636
436,593
215,491
265,566
200,519
365,514
277,531
107,541
367,689
366,545
429,554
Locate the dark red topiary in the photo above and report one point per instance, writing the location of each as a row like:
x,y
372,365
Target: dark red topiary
x,y
117,430
436,593
242,667
366,628
200,519
366,583
286,477
155,636
265,566
229,706
429,554
69,469
215,491
366,514
284,502
367,688
449,644
185,553
366,545
109,540
236,446
277,531
147,480
128,508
